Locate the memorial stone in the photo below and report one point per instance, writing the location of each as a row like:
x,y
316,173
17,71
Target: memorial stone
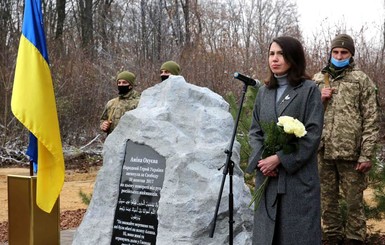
x,y
186,130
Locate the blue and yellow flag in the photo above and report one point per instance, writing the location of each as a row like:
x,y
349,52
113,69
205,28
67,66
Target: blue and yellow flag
x,y
33,104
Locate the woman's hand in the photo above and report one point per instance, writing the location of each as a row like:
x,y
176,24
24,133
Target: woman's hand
x,y
268,166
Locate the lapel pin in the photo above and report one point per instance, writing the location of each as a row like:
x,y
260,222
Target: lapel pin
x,y
287,97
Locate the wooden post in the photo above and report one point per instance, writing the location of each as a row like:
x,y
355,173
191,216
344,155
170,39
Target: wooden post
x,y
27,223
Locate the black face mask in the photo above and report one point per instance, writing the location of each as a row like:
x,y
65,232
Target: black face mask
x,y
124,89
164,77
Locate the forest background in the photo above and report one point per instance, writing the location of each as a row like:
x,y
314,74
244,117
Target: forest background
x,y
90,41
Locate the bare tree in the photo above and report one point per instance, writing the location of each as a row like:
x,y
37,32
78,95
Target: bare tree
x,y
10,24
104,20
90,41
86,24
186,15
61,14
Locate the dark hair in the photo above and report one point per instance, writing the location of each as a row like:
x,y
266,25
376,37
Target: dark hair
x,y
294,55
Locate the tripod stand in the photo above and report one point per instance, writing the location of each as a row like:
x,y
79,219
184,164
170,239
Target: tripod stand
x,y
228,168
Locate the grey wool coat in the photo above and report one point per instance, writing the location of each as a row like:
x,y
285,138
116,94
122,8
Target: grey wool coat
x,y
289,211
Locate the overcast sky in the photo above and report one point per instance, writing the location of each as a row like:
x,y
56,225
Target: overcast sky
x,y
354,13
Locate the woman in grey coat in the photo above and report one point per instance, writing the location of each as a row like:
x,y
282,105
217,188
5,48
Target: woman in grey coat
x,y
289,211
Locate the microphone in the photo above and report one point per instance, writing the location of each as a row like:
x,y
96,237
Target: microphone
x,y
247,80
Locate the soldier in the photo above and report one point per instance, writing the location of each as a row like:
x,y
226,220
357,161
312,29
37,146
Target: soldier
x,y
127,100
348,141
169,68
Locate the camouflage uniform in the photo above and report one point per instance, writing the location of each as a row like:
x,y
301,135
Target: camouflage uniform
x,y
349,136
116,107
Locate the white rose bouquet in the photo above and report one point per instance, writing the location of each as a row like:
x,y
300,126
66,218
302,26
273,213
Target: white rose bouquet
x,y
292,126
278,136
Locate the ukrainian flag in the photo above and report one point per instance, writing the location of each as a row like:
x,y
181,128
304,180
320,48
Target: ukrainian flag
x,y
33,104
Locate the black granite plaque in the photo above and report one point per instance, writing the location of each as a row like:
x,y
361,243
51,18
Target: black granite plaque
x,y
136,219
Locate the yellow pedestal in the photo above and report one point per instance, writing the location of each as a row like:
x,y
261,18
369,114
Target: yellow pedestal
x,y
27,223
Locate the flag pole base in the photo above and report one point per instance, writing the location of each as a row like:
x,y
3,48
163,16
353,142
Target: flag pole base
x,y
27,223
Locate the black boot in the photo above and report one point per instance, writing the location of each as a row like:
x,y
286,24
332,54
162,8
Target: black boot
x,y
354,242
333,241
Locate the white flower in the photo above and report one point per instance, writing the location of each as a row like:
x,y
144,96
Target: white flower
x,y
292,126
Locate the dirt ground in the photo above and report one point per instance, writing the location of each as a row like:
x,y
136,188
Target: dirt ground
x,y
70,199
374,226
72,209
77,178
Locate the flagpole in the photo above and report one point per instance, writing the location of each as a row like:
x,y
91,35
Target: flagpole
x,y
33,104
30,168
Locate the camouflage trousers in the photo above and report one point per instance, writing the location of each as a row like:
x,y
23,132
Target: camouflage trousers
x,y
342,201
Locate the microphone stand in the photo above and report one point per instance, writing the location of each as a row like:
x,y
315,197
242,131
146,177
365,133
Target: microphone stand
x,y
229,169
